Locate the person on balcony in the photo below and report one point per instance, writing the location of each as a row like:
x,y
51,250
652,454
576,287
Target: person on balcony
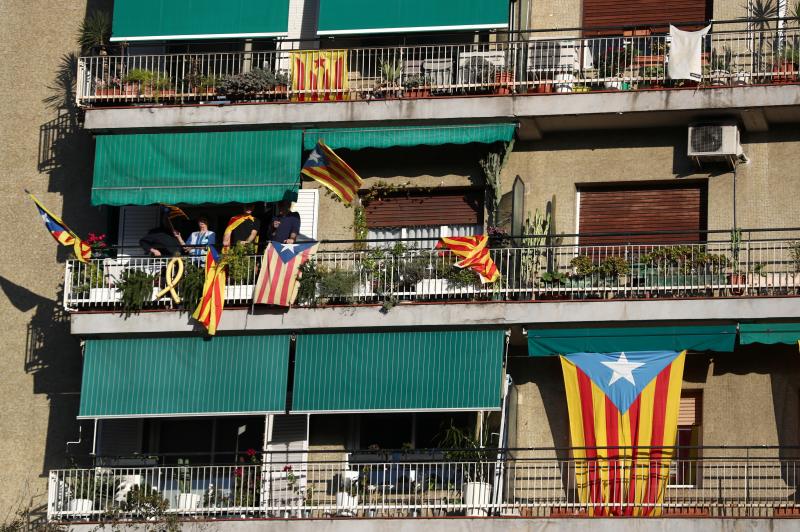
x,y
160,241
242,228
285,225
198,240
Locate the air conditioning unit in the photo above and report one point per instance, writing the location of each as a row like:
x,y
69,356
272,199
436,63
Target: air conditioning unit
x,y
715,141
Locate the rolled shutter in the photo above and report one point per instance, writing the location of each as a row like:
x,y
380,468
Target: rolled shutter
x,y
134,222
642,208
644,13
689,413
451,208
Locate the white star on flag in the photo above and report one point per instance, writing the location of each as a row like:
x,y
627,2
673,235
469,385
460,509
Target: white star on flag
x,y
315,156
622,369
290,247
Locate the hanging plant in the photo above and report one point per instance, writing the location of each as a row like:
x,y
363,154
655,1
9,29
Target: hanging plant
x,y
136,290
191,287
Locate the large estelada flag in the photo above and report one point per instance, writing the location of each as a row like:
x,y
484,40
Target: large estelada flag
x,y
280,272
623,418
325,166
474,253
209,310
63,234
319,75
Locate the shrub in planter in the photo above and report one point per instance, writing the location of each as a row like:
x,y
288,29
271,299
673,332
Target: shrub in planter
x,y
614,267
85,277
191,286
136,290
336,284
583,265
241,268
147,81
417,86
247,84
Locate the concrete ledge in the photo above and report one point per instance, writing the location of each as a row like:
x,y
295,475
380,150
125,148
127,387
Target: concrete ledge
x,y
442,315
480,525
454,110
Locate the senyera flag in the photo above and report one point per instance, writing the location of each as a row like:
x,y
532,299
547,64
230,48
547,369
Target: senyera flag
x,y
63,234
209,310
325,166
280,272
475,255
623,419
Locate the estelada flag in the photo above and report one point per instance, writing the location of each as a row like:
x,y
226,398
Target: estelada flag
x,y
173,212
319,75
475,255
63,234
209,310
278,280
623,419
325,166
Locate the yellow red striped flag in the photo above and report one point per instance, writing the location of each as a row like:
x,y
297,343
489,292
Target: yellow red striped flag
x,y
623,417
325,166
475,255
209,310
280,270
63,234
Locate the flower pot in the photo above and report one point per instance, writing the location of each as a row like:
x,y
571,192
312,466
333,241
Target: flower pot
x,y
432,287
103,295
417,93
81,506
543,88
784,72
738,282
504,82
188,501
476,498
346,504
564,82
239,292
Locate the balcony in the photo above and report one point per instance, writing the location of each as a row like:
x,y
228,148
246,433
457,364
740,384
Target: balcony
x,y
556,267
708,481
522,64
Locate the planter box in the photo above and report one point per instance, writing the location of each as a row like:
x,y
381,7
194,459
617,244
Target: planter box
x,y
417,93
103,295
477,496
189,501
241,292
346,504
81,506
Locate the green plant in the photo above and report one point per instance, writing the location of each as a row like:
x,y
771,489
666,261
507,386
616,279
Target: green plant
x,y
535,232
136,289
721,60
241,267
281,78
87,276
794,252
390,71
336,283
461,277
416,81
492,165
614,267
758,269
191,286
307,288
553,278
461,445
95,31
247,84
736,247
147,80
145,502
360,229
583,265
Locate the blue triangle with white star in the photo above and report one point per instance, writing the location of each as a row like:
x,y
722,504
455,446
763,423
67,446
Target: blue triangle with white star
x,y
622,376
289,251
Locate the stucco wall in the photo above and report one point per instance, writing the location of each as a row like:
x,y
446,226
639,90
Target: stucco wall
x,y
41,149
555,165
750,397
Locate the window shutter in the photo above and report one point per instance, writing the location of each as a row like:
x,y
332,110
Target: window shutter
x,y
289,433
134,222
689,413
446,208
645,13
307,206
119,437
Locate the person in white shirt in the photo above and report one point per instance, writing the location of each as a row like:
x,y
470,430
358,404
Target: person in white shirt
x,y
201,238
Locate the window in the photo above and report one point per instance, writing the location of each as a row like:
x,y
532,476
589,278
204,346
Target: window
x,y
683,471
418,430
432,232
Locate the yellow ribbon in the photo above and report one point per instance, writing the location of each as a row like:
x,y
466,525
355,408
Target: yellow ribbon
x,y
172,280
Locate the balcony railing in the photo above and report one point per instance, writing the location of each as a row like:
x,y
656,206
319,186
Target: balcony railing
x,y
524,63
553,268
744,482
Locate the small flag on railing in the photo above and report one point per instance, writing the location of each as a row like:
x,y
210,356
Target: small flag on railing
x,y
475,255
278,280
329,169
209,311
63,234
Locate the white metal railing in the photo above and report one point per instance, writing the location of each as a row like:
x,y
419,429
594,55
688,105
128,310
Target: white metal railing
x,y
557,271
522,64
515,483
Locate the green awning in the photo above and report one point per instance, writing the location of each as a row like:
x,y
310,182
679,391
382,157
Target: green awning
x,y
546,342
769,333
363,16
197,167
184,376
398,371
389,137
150,20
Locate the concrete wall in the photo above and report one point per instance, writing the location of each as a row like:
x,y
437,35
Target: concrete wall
x,y
554,166
750,397
43,149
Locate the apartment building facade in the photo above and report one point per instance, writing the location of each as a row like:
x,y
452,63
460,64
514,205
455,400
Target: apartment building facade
x,y
628,211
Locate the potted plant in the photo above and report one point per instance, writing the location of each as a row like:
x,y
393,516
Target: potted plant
x,y
503,81
736,279
653,77
147,83
611,62
247,85
720,74
416,86
390,72
336,285
281,84
471,451
186,499
95,32
784,64
82,489
136,289
241,264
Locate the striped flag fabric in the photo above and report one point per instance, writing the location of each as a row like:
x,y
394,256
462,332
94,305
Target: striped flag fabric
x,y
325,166
280,271
209,310
319,75
174,212
63,234
623,417
474,253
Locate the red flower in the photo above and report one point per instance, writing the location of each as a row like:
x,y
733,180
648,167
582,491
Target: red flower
x,y
251,452
287,468
237,472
